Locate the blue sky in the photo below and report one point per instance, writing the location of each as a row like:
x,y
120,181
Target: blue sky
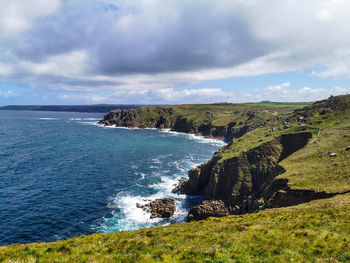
x,y
170,52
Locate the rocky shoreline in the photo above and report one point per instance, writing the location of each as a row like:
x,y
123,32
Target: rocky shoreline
x,y
128,118
241,184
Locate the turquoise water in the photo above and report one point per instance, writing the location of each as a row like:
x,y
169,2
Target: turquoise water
x,y
61,175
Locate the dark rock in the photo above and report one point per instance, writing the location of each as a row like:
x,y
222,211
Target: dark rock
x,y
181,186
324,111
347,148
162,208
145,207
159,208
208,208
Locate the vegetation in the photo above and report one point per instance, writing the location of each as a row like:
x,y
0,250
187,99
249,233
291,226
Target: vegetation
x,y
317,231
217,114
311,167
314,232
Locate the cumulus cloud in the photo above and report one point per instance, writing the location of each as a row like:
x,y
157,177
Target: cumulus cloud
x,y
8,94
17,16
277,93
153,45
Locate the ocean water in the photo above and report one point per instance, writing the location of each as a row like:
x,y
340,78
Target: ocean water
x,y
62,175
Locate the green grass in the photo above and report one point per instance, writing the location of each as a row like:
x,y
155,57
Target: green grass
x,y
220,114
311,167
314,232
317,231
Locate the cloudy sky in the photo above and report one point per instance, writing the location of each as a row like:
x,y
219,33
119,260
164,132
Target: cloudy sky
x,y
173,51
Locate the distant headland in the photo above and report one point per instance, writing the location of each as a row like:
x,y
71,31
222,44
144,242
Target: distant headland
x,y
103,108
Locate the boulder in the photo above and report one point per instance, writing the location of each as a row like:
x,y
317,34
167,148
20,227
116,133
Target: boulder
x,y
324,111
332,154
347,148
208,208
162,208
159,208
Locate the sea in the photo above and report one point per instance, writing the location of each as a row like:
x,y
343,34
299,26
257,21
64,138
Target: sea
x,y
62,175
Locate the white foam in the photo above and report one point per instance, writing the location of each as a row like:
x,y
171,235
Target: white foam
x,y
129,217
47,119
200,139
84,119
89,123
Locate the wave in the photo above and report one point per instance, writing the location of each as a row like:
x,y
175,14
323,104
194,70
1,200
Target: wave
x,y
47,119
198,138
84,119
89,123
127,216
117,127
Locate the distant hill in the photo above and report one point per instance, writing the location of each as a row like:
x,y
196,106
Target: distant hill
x,y
72,108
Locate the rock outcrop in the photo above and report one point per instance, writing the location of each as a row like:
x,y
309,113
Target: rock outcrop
x,y
207,208
181,186
167,119
159,208
243,181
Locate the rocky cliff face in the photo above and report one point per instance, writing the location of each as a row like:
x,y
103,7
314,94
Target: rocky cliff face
x,y
166,119
243,183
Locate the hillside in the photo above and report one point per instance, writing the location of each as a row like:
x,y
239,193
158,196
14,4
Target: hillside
x,y
314,232
223,121
281,188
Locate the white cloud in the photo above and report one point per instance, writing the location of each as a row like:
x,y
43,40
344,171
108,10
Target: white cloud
x,y
17,16
278,93
8,94
194,95
138,48
72,64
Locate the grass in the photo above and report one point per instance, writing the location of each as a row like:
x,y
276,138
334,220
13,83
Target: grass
x,y
311,167
218,114
317,231
314,232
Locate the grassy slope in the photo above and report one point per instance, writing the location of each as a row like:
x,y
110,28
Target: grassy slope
x,y
222,114
314,232
310,167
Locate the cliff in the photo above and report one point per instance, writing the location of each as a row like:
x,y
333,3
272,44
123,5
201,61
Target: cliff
x,y
240,182
303,180
247,175
254,170
220,121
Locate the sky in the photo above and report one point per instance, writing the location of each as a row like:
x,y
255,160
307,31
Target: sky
x,y
172,52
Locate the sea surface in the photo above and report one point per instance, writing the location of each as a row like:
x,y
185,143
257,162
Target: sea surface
x,y
62,175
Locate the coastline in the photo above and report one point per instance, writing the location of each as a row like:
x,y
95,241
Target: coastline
x,y
170,131
165,187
